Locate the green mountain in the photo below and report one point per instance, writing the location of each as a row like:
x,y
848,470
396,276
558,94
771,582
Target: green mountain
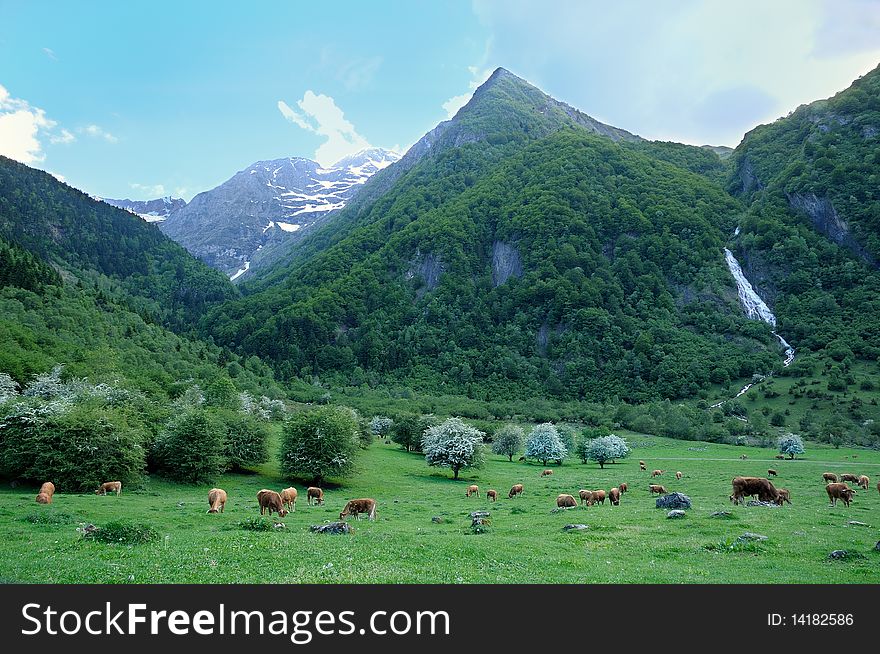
x,y
521,247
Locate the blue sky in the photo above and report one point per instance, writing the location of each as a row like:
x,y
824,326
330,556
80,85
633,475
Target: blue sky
x,y
142,99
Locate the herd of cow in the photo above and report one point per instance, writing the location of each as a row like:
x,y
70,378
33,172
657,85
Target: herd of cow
x,y
284,502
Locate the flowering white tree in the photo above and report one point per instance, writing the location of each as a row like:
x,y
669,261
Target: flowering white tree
x,y
381,425
508,441
607,448
453,444
8,387
791,444
545,445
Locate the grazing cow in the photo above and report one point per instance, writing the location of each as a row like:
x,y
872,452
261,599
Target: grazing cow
x,y
678,475
864,480
110,487
743,456
747,486
623,487
564,501
47,491
288,497
830,477
771,472
473,489
839,491
780,456
614,496
784,495
492,495
599,496
846,476
586,497
356,507
642,466
657,473
546,473
216,500
270,501
878,486
656,488
516,490
314,493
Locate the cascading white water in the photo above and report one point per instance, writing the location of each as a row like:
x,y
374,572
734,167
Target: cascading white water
x,y
753,305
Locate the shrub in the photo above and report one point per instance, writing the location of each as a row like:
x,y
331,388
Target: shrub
x,y
49,517
246,440
122,533
260,523
545,445
453,444
320,444
191,448
409,428
508,440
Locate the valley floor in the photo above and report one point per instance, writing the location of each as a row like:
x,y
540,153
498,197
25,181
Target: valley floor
x,y
632,543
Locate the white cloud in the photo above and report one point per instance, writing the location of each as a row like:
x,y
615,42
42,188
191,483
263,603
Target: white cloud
x,y
64,137
58,176
98,132
49,52
20,128
456,102
151,190
321,116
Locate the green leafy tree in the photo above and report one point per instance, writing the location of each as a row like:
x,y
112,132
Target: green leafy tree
x,y
320,443
508,440
246,438
453,444
191,448
221,393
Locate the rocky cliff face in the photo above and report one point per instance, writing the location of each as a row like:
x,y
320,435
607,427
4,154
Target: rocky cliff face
x,y
827,221
506,263
153,211
266,204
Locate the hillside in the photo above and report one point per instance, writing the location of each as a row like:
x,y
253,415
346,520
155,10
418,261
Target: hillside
x,y
526,249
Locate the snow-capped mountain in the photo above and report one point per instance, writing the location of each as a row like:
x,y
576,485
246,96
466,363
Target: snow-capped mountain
x,y
266,203
153,211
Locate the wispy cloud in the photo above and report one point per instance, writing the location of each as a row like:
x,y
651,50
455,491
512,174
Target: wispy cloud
x,y
63,137
96,131
456,102
320,115
49,52
152,190
20,128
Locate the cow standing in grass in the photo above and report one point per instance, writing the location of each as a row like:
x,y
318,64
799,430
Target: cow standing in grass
x,y
216,500
356,507
47,492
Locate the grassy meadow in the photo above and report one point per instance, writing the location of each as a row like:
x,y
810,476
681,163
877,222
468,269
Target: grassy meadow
x,y
525,543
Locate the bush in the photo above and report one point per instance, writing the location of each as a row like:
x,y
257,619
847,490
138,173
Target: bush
x,y
508,440
246,440
320,444
76,447
409,428
545,445
122,533
260,523
191,448
49,517
454,445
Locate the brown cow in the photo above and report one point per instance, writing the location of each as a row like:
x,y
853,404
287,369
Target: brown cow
x,y
657,473
864,480
47,492
314,493
110,487
473,489
564,501
492,495
586,497
846,476
516,490
599,496
623,487
216,500
839,491
771,472
271,501
780,456
288,497
546,473
356,507
656,488
614,496
678,475
748,486
784,495
878,486
830,477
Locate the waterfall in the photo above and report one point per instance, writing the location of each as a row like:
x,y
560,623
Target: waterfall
x,y
753,305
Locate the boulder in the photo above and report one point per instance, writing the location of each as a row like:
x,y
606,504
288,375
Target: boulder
x,y
856,523
877,546
770,505
838,555
332,528
721,514
676,513
674,501
479,514
437,518
749,536
581,527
